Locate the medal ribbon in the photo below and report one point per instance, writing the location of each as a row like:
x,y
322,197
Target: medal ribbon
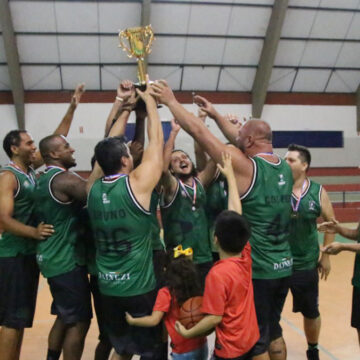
x,y
296,207
112,177
193,200
30,178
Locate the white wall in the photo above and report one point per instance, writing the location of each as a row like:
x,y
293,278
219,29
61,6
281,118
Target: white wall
x,y
42,119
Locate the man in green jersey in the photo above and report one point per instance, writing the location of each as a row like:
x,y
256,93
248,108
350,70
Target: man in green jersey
x,y
19,273
265,184
119,209
333,227
60,197
183,204
309,201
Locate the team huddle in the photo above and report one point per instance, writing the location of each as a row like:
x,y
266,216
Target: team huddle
x,y
238,228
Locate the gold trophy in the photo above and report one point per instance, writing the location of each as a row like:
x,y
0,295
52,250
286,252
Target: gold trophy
x,y
140,40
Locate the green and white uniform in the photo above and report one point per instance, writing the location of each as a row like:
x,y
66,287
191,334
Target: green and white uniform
x,y
11,245
267,207
61,252
122,231
303,230
216,202
187,224
156,240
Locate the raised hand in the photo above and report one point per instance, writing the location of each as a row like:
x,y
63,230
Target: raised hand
x,y
125,89
78,93
162,92
233,119
147,95
43,231
227,169
205,105
175,127
202,114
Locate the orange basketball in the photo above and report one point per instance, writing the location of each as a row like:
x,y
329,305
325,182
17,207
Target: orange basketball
x,y
190,312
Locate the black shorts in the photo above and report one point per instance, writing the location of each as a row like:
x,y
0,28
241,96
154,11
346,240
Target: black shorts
x,y
203,269
128,339
248,356
355,313
19,279
71,296
94,288
269,298
304,286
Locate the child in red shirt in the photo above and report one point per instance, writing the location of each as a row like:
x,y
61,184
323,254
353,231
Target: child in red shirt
x,y
182,283
228,299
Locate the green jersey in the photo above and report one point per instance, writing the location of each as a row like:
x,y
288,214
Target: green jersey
x,y
156,241
216,202
267,207
122,231
356,277
59,253
303,230
10,244
185,223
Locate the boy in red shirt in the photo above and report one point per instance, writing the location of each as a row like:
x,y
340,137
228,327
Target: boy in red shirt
x,y
228,299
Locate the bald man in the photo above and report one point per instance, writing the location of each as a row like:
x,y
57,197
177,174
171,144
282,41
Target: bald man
x,y
265,183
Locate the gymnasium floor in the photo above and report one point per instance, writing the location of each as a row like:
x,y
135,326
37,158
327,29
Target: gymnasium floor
x,y
338,341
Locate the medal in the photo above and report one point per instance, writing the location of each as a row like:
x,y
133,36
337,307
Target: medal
x,y
192,199
294,215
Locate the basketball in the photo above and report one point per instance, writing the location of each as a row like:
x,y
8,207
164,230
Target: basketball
x,y
190,312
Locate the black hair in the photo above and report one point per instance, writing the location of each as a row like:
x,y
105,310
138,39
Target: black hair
x,y
46,145
12,138
108,153
232,231
304,153
181,278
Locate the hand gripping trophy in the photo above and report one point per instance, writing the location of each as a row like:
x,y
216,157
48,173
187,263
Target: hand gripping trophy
x,y
140,40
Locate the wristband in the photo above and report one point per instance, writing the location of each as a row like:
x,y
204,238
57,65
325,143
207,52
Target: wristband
x,y
119,98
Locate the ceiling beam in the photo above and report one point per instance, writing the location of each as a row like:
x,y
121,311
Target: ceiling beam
x,y
145,20
12,57
358,109
267,57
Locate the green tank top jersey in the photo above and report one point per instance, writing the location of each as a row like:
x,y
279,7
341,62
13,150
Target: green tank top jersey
x,y
156,241
267,207
303,230
122,231
87,244
216,202
187,225
59,253
356,277
10,244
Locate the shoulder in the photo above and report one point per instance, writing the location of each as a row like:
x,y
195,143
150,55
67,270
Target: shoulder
x,y
7,177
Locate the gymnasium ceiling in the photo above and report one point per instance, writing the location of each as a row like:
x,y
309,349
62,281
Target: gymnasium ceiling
x,y
200,45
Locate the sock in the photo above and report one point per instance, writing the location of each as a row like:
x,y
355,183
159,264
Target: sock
x,y
53,354
312,346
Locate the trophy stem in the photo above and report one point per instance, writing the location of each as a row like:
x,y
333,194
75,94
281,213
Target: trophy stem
x,y
141,71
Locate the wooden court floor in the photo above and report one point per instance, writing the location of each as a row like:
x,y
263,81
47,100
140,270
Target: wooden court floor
x,y
338,341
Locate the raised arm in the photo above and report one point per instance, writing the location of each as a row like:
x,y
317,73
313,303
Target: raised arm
x,y
146,176
227,170
201,158
64,126
224,123
211,145
137,144
327,213
8,187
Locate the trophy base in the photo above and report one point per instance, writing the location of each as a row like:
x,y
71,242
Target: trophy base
x,y
140,104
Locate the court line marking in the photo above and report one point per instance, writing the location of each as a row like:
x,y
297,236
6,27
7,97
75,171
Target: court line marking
x,y
300,332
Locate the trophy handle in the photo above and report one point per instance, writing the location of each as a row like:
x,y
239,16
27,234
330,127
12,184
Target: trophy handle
x,y
122,34
149,31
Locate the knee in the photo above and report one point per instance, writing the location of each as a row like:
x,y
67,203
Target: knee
x,y
277,346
